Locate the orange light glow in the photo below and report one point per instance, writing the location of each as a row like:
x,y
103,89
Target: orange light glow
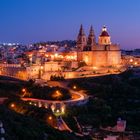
x,y
30,103
50,117
56,55
30,55
57,111
23,90
57,94
94,68
135,63
131,60
63,109
86,59
12,105
53,107
74,87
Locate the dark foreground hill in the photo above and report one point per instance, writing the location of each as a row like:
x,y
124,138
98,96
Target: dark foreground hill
x,y
112,97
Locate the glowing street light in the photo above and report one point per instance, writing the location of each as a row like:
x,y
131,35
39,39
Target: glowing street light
x,y
57,94
12,105
63,109
30,103
74,87
57,111
53,107
23,90
131,60
135,63
56,55
50,117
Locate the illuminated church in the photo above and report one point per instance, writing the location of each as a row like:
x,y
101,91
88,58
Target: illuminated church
x,y
103,53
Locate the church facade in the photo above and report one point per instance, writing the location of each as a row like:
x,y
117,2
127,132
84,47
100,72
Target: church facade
x,y
103,53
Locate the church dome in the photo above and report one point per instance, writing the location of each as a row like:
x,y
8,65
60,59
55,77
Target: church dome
x,y
104,32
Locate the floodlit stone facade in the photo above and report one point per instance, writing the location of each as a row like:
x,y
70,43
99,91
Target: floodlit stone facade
x,y
103,53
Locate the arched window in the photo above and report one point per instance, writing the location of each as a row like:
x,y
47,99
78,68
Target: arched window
x,y
101,40
84,39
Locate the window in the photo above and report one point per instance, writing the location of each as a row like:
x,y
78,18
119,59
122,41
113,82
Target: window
x,y
83,39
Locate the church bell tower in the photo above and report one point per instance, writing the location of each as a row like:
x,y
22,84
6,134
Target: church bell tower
x,y
91,39
81,40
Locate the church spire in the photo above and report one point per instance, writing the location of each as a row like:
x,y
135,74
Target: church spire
x,y
81,32
91,37
91,32
81,39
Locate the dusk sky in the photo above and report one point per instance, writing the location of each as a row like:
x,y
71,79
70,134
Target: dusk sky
x,y
28,21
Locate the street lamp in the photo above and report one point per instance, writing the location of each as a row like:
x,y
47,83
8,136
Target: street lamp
x,y
74,87
57,111
12,105
50,120
131,60
24,92
53,107
57,94
135,63
63,109
50,117
30,103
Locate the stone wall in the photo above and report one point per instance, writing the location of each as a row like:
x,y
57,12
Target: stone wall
x,y
100,57
114,57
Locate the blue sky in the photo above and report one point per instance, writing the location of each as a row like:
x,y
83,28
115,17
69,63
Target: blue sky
x,y
28,21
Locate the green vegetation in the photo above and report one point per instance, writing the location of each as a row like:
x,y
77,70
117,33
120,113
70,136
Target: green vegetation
x,y
48,93
14,88
23,127
57,78
113,96
10,87
25,108
22,121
